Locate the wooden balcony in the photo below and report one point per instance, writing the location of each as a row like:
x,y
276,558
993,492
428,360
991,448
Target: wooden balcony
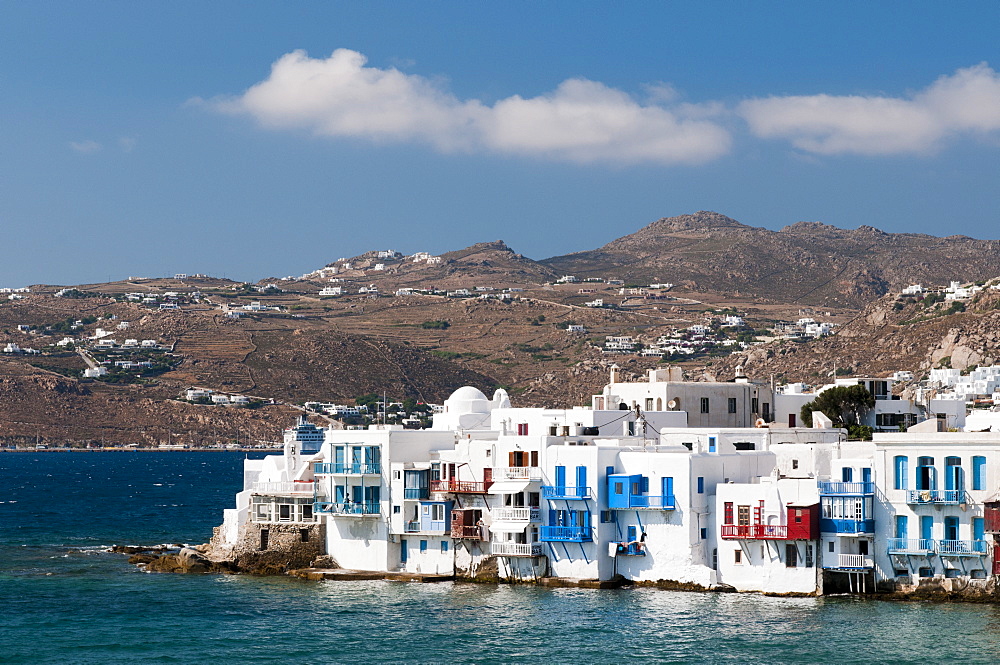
x,y
766,532
459,487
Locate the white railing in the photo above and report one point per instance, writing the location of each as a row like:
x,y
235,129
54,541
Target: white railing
x,y
854,561
516,549
517,473
517,514
283,487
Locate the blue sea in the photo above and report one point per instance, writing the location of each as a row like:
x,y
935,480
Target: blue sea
x,y
64,599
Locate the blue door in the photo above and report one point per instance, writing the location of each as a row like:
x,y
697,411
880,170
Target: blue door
x,y
901,526
667,488
632,534
560,481
926,527
866,475
581,481
402,551
847,474
951,528
340,493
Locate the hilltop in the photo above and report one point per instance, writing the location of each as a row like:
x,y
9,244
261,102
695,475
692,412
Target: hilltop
x,y
806,263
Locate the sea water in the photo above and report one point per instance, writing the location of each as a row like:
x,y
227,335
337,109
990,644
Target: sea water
x,y
64,599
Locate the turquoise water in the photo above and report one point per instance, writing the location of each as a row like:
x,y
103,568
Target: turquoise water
x,y
63,600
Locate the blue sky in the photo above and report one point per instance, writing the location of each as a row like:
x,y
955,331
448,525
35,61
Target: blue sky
x,y
153,138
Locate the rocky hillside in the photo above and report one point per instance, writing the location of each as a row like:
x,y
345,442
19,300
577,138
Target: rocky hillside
x,y
893,333
806,263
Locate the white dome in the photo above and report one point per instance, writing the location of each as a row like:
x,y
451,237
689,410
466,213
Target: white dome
x,y
467,394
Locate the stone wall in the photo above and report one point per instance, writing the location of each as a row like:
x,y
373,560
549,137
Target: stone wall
x,y
289,546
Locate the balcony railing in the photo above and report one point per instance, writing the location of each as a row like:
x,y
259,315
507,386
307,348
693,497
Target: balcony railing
x,y
766,532
851,562
517,473
566,534
651,502
530,514
416,493
944,497
963,547
572,493
458,487
835,488
516,549
346,508
467,532
412,526
911,546
347,468
284,487
631,549
847,526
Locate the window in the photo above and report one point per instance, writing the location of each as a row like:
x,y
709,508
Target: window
x,y
264,534
791,555
901,526
926,572
954,475
395,475
437,512
978,472
743,516
847,474
619,488
608,516
901,464
737,556
809,555
704,534
304,535
701,485
831,546
901,572
715,559
423,546
731,402
522,429
754,405
395,510
766,413
649,403
704,405
795,464
926,474
952,573
977,574
728,515
711,444
444,546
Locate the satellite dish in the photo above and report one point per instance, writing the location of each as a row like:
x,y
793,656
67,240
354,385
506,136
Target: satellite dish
x,y
674,403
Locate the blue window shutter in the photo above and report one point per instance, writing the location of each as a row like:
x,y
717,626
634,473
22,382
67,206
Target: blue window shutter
x,y
701,485
978,472
444,545
900,526
560,476
581,480
645,485
866,475
847,474
632,534
423,546
667,487
978,528
901,472
609,470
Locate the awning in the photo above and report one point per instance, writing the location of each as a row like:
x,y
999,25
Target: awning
x,y
509,486
509,527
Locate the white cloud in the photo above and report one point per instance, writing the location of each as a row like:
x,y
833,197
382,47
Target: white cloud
x,y
85,147
966,102
126,143
580,121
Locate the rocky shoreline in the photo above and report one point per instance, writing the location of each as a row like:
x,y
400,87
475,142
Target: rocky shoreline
x,y
199,559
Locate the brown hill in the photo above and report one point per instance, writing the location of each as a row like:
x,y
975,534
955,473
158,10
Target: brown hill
x,y
807,262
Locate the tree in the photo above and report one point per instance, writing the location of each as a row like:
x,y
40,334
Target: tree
x,y
844,405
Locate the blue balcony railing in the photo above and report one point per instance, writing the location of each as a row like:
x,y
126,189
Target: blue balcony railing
x,y
571,493
566,534
346,508
847,526
639,501
911,546
963,547
943,497
837,488
347,468
416,493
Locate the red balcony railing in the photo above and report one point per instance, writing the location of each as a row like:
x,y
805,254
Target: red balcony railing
x,y
765,532
459,486
467,532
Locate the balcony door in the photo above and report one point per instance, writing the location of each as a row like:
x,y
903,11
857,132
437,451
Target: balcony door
x,y
951,528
